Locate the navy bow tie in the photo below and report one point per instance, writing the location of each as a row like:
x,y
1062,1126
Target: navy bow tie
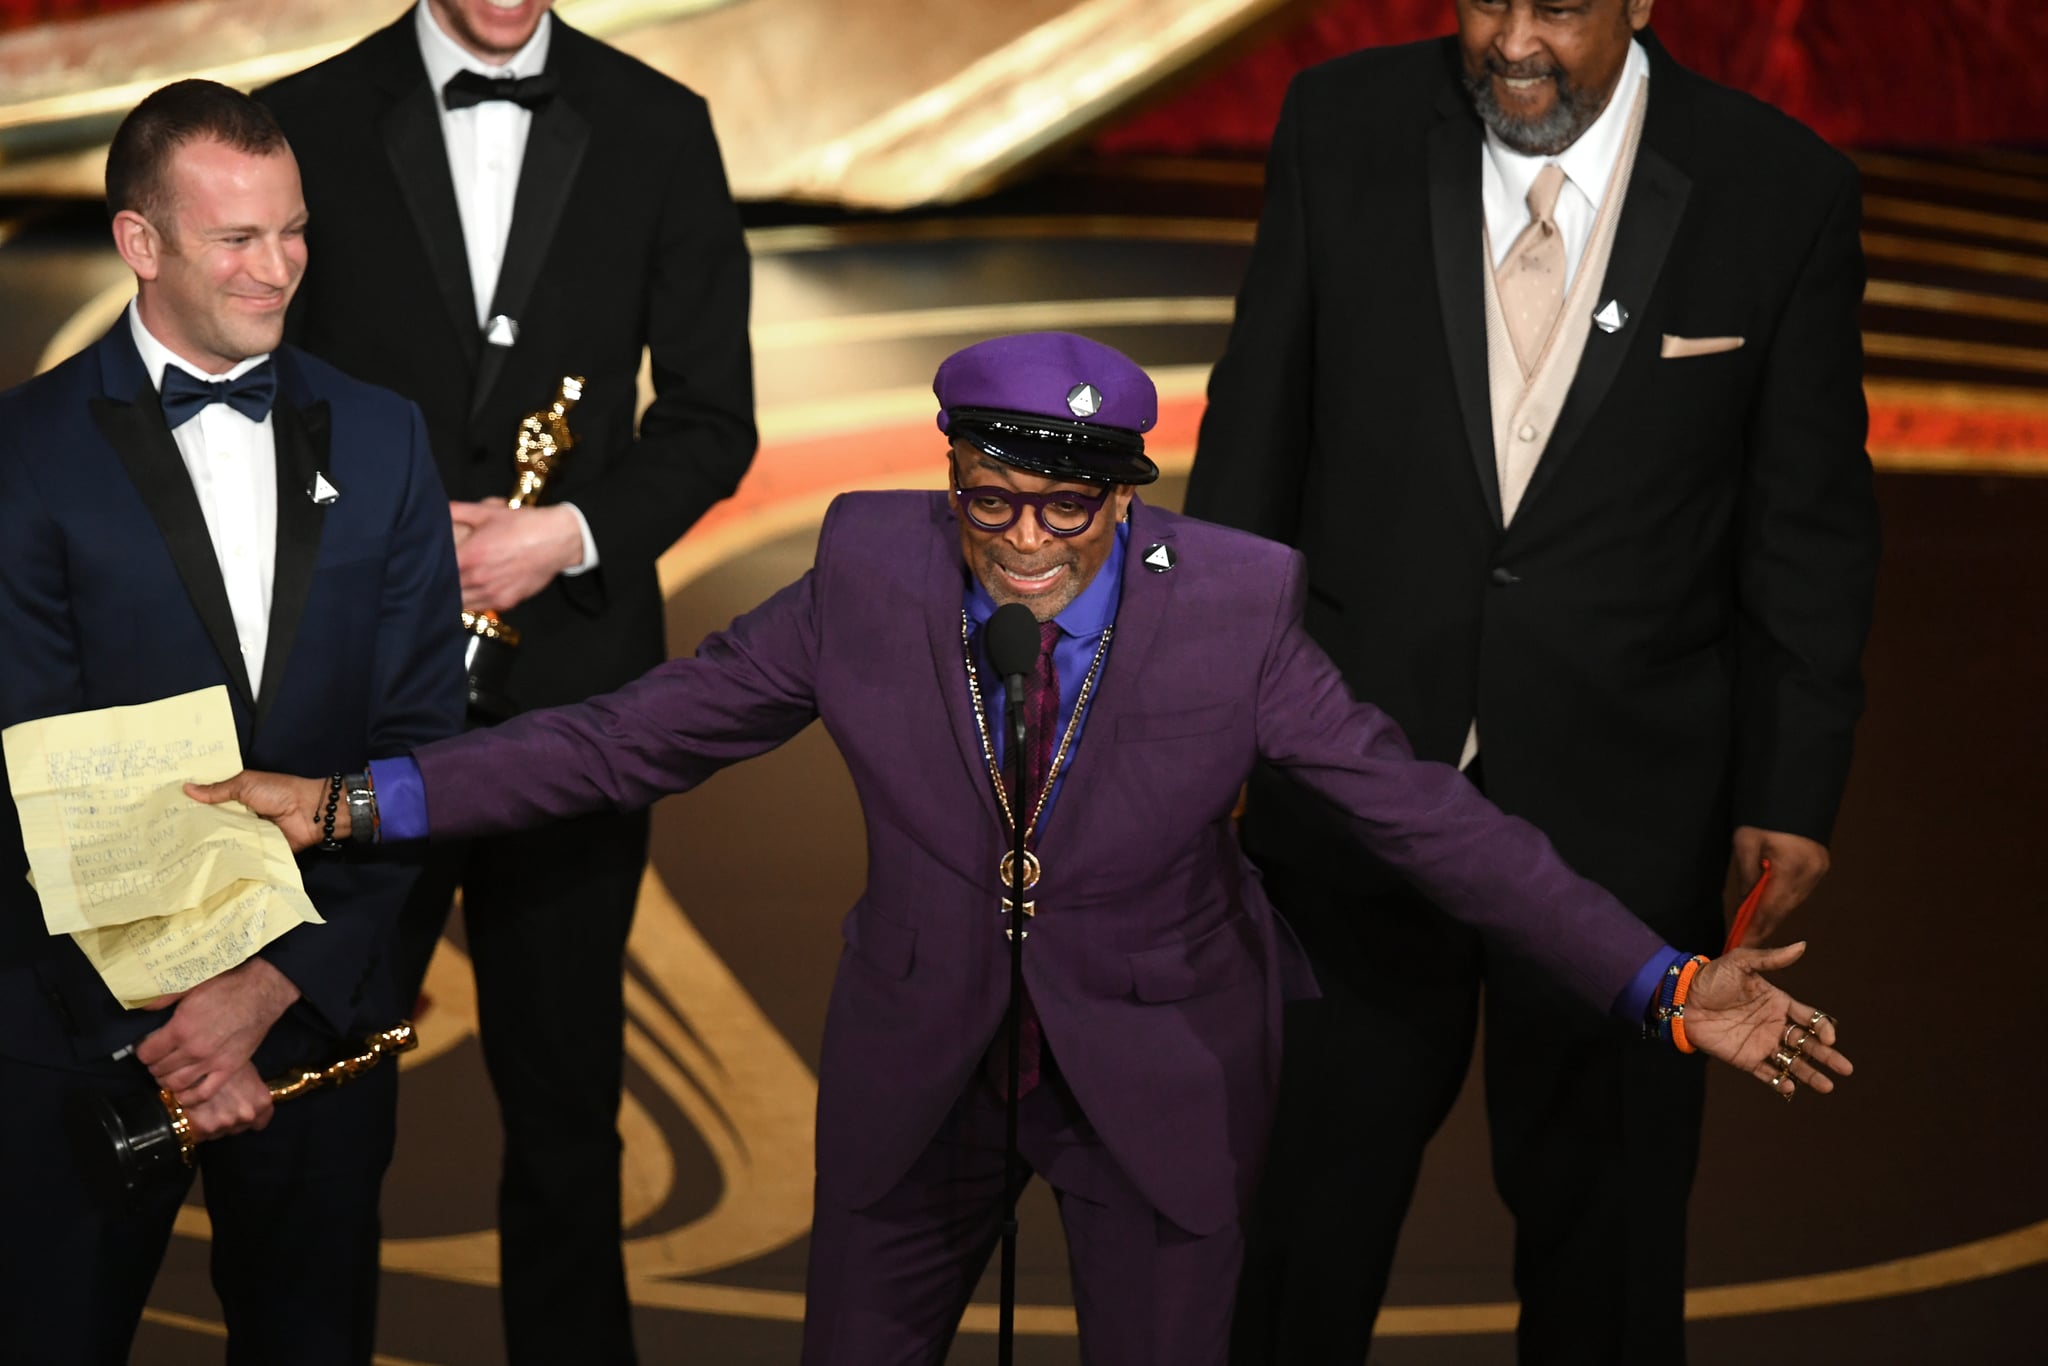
x,y
185,395
467,88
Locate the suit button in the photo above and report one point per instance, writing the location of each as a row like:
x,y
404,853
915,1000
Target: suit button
x,y
1528,432
1503,576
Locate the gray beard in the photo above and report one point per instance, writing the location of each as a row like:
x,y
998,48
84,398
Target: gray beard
x,y
1571,114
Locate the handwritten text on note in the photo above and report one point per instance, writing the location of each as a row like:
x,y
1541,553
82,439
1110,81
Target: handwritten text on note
x,y
160,891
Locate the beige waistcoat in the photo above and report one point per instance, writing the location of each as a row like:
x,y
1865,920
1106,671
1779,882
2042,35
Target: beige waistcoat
x,y
1525,411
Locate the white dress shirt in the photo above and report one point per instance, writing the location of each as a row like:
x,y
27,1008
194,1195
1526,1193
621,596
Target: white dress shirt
x,y
233,466
1588,166
486,146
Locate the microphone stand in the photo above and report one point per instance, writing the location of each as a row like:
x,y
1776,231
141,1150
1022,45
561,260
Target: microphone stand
x,y
1006,1324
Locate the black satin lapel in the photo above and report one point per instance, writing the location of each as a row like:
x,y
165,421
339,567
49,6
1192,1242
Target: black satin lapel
x,y
1456,218
138,435
943,594
555,145
1657,191
301,439
412,139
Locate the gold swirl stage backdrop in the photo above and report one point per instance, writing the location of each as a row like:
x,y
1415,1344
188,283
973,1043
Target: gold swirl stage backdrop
x,y
735,934
870,103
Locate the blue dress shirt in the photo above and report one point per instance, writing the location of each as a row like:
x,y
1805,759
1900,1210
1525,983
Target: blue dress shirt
x,y
1081,627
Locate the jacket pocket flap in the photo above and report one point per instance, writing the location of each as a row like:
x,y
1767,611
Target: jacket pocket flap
x,y
1195,967
881,943
1173,725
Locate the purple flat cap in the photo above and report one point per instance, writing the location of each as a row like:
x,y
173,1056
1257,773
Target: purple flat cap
x,y
1051,404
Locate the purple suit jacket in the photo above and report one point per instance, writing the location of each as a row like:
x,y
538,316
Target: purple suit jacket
x,y
1156,964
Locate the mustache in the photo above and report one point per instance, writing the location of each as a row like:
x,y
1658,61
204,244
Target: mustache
x,y
1531,69
1028,568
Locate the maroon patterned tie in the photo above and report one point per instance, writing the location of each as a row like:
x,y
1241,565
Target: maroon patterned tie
x,y
1042,713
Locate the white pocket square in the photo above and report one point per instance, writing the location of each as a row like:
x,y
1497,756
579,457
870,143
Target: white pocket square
x,y
1678,348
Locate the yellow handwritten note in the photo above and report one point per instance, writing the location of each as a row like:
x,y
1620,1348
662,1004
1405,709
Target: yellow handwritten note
x,y
163,954
160,891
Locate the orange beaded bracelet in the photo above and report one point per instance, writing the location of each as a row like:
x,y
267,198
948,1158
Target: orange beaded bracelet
x,y
1685,976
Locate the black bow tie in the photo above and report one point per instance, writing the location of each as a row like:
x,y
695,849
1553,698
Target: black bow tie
x,y
185,395
467,88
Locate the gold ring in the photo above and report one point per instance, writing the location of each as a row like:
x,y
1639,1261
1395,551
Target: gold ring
x,y
1796,1045
1773,1084
1813,1024
1784,1061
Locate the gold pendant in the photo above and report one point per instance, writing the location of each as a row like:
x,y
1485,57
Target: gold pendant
x,y
1007,870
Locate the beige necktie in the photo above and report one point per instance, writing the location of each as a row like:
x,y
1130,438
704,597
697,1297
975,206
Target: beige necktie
x,y
1531,278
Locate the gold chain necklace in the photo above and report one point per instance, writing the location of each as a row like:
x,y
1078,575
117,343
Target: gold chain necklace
x,y
1007,868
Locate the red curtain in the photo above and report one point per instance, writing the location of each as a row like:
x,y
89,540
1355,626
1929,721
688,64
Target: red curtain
x,y
22,13
1859,72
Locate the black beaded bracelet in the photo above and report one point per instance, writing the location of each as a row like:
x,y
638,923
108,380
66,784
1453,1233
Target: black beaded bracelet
x,y
327,839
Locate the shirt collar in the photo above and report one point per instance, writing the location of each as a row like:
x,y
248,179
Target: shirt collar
x,y
1588,163
155,355
1089,614
444,56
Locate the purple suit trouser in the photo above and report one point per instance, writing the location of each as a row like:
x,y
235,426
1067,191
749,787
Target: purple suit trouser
x,y
888,1283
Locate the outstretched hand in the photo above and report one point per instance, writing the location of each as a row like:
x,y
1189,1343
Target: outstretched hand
x,y
1734,1014
294,805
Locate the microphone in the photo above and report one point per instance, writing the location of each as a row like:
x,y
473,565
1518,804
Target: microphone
x,y
1013,650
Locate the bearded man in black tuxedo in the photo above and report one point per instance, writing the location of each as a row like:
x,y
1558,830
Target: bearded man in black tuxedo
x,y
1548,358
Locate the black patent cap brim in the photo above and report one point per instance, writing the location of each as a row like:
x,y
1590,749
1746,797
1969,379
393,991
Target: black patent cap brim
x,y
1062,456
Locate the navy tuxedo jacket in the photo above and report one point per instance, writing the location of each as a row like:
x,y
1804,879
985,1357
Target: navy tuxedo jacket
x,y
110,595
1156,965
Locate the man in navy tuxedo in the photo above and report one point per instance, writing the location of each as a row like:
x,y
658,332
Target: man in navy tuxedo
x,y
189,504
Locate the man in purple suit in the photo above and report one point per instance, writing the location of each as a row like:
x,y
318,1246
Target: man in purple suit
x,y
1171,658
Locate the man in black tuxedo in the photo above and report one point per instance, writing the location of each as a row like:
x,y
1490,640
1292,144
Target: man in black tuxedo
x,y
498,202
188,504
1548,357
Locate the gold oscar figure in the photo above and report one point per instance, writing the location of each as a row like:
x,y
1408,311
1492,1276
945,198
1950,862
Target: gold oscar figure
x,y
544,438
127,1142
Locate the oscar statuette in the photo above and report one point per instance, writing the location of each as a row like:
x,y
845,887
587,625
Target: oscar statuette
x,y
492,645
124,1144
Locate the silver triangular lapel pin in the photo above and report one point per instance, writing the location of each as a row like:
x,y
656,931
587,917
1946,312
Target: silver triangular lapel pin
x,y
322,492
1611,316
